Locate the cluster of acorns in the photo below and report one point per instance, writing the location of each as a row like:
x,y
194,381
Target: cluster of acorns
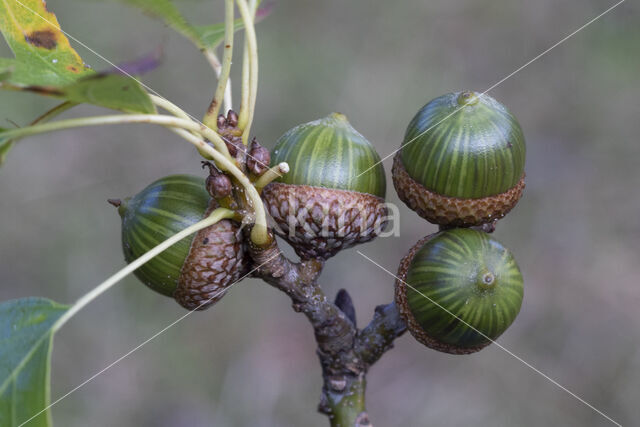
x,y
461,164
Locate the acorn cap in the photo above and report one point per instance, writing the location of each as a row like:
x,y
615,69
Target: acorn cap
x,y
452,211
196,268
458,290
319,222
333,196
216,260
461,146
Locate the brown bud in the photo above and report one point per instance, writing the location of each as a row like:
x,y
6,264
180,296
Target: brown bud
x,y
221,121
218,184
232,118
233,148
345,303
258,159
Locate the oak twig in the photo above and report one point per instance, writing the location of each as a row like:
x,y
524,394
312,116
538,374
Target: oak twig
x,y
375,339
345,352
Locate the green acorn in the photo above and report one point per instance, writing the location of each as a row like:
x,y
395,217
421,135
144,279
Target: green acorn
x,y
196,270
462,161
458,290
333,196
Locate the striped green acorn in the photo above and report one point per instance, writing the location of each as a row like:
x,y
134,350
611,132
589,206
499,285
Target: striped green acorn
x,y
458,290
333,196
330,153
462,160
196,270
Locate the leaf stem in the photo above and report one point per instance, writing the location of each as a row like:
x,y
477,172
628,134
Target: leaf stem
x,y
210,118
169,107
211,56
250,67
210,134
163,120
244,100
259,234
216,215
48,115
270,175
99,120
55,111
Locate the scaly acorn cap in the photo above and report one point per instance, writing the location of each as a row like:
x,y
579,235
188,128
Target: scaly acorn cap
x,y
458,290
195,269
333,196
462,161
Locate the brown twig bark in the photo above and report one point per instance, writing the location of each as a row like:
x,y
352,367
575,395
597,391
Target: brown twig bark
x,y
345,352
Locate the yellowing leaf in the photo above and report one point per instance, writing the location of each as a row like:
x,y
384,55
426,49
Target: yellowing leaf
x,y
6,68
45,63
43,54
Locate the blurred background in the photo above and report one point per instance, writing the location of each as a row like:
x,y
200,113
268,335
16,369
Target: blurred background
x,y
251,360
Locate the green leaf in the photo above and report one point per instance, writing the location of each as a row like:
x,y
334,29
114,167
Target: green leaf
x,y
212,35
113,91
203,36
6,68
26,338
107,90
169,13
43,54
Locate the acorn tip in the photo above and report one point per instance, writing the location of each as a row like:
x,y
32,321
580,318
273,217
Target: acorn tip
x,y
338,116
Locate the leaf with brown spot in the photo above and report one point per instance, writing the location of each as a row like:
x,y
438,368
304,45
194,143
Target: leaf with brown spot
x,y
43,55
46,64
42,38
